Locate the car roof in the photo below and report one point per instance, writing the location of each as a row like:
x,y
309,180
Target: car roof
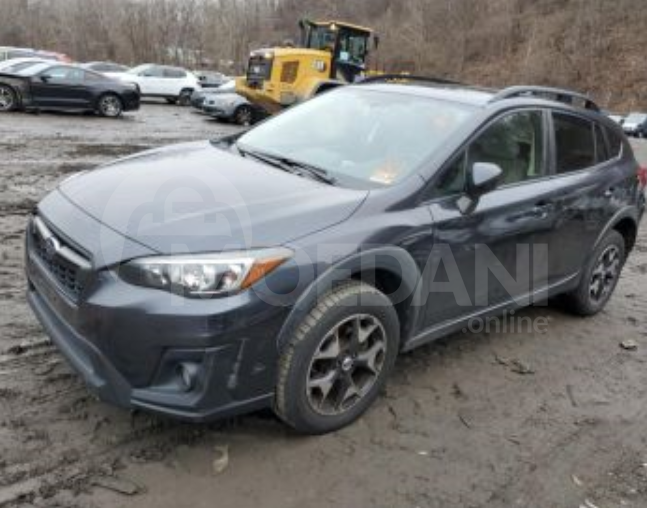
x,y
481,97
462,94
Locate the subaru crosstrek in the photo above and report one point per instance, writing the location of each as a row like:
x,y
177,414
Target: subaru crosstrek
x,y
287,266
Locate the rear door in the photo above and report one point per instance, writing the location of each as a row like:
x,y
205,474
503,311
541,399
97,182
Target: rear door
x,y
485,254
151,81
174,81
588,188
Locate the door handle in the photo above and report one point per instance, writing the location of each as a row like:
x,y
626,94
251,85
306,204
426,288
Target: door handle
x,y
542,209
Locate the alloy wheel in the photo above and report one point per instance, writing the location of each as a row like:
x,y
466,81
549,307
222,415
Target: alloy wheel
x,y
605,274
244,116
110,106
7,99
346,364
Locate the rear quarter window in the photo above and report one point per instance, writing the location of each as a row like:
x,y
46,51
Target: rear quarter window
x,y
615,142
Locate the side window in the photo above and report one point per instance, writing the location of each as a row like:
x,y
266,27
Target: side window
x,y
91,77
574,143
601,150
515,143
174,73
153,72
57,72
615,143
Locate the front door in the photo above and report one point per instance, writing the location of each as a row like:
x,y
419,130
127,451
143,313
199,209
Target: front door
x,y
60,87
487,252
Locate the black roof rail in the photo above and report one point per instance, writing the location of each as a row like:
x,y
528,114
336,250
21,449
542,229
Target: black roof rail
x,y
385,78
557,94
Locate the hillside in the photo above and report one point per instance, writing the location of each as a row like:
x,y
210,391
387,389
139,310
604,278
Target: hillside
x,y
592,45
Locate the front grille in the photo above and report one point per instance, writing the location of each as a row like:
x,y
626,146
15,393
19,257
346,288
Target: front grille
x,y
66,265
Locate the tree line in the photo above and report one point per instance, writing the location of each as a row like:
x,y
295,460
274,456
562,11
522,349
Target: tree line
x,y
593,45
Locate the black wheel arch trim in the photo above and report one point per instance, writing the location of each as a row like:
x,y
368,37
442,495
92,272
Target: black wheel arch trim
x,y
628,212
395,260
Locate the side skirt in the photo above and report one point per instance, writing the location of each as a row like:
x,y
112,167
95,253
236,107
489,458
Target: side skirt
x,y
454,325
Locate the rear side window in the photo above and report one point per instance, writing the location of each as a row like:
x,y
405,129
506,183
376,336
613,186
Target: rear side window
x,y
174,73
92,77
574,143
152,72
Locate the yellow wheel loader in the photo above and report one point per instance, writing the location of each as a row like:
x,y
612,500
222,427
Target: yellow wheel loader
x,y
332,53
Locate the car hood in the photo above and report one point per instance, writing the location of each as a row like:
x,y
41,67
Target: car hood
x,y
223,96
198,198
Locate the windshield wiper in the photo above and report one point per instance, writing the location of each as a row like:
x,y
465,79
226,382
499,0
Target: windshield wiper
x,y
290,165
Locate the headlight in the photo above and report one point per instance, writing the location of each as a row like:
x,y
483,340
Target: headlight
x,y
204,275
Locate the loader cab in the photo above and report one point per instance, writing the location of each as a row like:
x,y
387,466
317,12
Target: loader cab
x,y
348,45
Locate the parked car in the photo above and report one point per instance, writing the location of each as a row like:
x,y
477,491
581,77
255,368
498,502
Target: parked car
x,y
210,79
619,119
232,107
171,83
311,258
54,55
635,125
105,67
53,86
198,96
18,64
9,52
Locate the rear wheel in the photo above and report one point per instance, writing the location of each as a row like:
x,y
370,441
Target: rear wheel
x,y
8,99
599,278
244,115
185,98
338,359
110,106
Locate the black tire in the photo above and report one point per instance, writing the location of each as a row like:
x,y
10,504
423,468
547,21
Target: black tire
x,y
110,105
8,99
185,98
244,115
301,360
171,101
586,300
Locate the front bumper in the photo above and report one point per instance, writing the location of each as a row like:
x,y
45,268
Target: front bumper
x,y
217,111
128,342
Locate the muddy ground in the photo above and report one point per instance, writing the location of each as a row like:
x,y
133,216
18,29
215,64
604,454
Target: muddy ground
x,y
553,419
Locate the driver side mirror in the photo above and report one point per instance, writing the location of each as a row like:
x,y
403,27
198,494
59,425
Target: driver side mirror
x,y
483,178
45,78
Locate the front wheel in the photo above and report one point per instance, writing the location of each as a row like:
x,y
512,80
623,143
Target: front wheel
x,y
110,106
244,115
338,360
599,277
8,99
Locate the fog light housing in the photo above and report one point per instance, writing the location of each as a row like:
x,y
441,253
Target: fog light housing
x,y
188,375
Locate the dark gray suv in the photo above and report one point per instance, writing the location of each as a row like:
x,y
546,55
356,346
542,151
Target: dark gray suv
x,y
288,266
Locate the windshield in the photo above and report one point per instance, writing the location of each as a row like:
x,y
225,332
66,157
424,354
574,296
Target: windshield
x,y
34,69
20,66
357,134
